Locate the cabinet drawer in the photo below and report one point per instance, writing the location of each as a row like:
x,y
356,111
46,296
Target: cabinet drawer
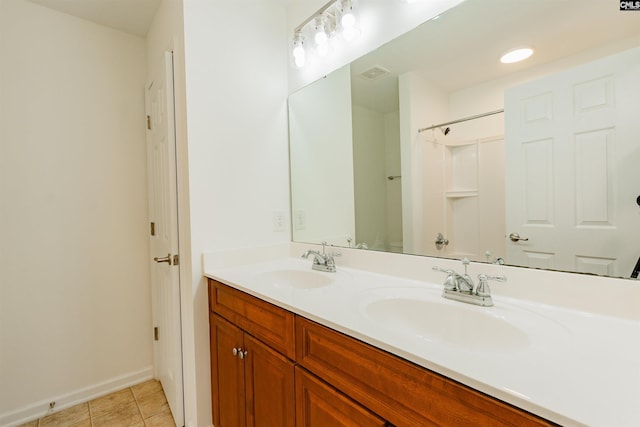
x,y
402,392
320,405
270,324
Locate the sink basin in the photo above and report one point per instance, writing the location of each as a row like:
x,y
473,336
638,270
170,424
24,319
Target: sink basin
x,y
296,279
460,325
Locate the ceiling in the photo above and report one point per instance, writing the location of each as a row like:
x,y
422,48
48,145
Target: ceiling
x,y
130,16
462,48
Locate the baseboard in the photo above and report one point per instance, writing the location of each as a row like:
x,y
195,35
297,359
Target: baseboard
x,y
67,400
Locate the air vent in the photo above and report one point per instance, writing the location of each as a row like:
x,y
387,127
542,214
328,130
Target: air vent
x,y
374,73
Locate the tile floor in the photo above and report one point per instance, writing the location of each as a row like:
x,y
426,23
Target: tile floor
x,y
142,405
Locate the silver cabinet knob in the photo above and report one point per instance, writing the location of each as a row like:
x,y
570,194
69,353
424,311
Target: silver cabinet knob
x,y
239,352
515,237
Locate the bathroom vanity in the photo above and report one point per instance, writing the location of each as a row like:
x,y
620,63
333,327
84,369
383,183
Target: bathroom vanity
x,y
272,367
376,342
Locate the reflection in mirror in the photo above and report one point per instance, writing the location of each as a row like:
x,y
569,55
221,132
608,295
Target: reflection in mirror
x,y
407,148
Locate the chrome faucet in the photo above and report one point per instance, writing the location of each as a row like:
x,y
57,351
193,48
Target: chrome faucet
x,y
322,261
460,287
362,245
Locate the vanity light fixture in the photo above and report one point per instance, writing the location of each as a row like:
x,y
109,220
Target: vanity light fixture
x,y
335,18
516,55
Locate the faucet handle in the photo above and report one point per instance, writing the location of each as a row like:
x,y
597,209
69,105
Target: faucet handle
x,y
442,270
483,287
451,282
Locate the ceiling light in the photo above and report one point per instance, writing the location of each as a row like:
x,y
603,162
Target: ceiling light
x,y
516,55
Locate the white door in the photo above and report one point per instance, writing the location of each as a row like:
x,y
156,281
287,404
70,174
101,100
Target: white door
x,y
163,217
572,155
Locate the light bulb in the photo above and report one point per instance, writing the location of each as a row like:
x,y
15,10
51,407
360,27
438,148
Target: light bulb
x,y
348,19
350,31
321,37
299,54
321,33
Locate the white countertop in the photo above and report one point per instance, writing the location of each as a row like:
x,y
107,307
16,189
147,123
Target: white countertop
x,y
573,367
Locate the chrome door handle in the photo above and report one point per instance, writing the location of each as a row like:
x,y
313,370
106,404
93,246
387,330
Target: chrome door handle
x,y
515,237
166,259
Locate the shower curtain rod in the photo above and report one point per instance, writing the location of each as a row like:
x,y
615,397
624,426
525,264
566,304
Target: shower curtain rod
x,y
477,116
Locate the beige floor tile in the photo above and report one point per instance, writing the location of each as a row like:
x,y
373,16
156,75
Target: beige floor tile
x,y
147,387
123,415
141,405
164,419
110,402
153,404
75,416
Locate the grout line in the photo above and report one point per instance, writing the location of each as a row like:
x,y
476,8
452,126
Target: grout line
x,y
138,406
90,414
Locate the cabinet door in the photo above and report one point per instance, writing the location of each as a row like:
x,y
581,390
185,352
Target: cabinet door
x,y
403,393
319,405
227,374
269,386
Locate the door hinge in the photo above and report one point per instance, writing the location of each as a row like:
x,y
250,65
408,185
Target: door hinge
x,y
176,260
152,226
155,333
149,122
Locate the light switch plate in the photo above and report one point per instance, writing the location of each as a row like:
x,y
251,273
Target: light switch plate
x,y
279,224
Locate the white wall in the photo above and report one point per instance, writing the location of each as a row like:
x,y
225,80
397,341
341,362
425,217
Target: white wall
x,y
236,99
376,146
323,169
422,199
75,314
369,178
393,187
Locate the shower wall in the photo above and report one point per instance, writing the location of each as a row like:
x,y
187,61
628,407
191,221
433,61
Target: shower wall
x,y
456,179
378,201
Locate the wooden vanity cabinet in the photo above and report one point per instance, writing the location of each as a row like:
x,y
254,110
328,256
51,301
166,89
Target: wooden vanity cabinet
x,y
252,383
297,372
401,392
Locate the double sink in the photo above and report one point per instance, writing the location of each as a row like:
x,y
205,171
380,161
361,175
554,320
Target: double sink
x,y
420,312
551,360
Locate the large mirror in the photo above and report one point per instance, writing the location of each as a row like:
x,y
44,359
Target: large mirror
x,y
430,145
